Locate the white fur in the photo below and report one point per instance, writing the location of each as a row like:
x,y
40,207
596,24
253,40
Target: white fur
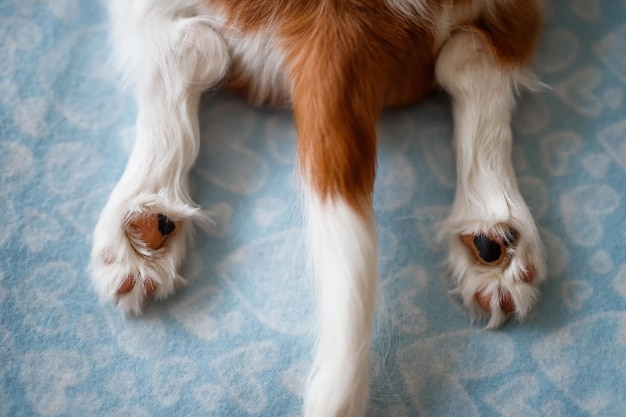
x,y
344,254
487,197
259,58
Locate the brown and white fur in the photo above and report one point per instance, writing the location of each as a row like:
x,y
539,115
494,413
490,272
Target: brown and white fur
x,y
339,63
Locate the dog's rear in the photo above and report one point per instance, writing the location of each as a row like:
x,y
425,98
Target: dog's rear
x,y
339,63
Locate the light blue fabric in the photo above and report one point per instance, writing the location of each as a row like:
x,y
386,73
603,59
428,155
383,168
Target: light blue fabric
x,y
236,341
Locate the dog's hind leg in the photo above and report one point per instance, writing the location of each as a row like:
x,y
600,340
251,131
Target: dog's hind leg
x,y
169,56
496,255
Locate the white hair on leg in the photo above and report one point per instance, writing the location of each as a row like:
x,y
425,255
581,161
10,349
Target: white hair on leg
x,y
488,207
344,254
169,59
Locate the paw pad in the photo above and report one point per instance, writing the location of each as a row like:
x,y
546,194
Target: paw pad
x,y
166,226
489,249
154,229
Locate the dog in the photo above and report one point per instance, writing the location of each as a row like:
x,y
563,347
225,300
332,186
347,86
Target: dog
x,y
339,63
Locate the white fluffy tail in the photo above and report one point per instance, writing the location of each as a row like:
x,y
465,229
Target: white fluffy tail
x,y
345,263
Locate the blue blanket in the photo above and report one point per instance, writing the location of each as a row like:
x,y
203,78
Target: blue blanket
x,y
237,340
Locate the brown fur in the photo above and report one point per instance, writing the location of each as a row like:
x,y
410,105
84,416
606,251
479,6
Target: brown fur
x,y
347,59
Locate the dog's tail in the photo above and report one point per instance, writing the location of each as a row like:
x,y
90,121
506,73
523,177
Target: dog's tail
x,y
344,260
336,104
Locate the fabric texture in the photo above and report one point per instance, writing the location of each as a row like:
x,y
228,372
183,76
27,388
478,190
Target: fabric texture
x,y
237,340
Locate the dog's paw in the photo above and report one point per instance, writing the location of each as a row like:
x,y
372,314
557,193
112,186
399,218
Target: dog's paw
x,y
497,268
138,246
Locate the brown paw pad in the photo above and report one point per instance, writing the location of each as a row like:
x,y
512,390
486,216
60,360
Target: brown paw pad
x,y
129,283
506,301
489,249
154,229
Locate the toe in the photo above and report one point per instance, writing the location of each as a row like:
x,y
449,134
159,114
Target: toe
x,y
484,300
151,286
127,286
504,297
108,256
506,301
529,275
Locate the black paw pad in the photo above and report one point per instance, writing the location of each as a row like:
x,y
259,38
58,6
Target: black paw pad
x,y
488,250
166,226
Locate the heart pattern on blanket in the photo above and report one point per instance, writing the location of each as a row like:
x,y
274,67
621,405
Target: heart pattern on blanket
x,y
557,51
588,9
597,164
428,219
16,34
18,170
268,210
435,367
619,282
557,150
286,310
612,139
30,117
8,221
47,285
239,373
6,353
281,138
532,115
612,52
580,91
209,396
170,378
394,187
82,162
200,313
79,56
583,209
219,150
401,304
575,293
140,337
514,397
571,370
439,154
220,215
40,229
48,377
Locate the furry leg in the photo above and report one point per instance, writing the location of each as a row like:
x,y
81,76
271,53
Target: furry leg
x,y
496,255
140,238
